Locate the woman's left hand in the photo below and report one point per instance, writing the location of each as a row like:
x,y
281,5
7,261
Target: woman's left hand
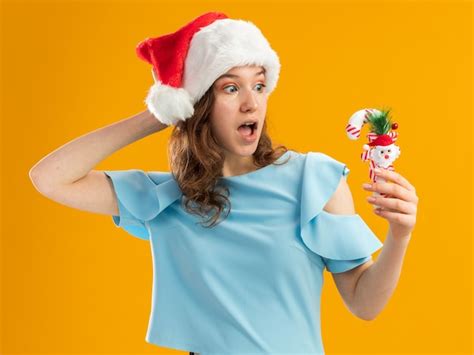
x,y
398,206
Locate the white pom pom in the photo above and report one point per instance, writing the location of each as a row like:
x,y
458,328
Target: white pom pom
x,y
168,104
366,147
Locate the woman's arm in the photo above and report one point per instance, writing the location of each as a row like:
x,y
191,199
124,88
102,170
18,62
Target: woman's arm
x,y
77,158
367,288
377,283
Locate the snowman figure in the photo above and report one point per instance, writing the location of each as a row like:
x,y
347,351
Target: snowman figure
x,y
381,151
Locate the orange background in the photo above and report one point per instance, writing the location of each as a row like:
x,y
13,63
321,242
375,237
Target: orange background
x,y
74,283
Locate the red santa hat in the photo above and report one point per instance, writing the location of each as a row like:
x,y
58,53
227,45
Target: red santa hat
x,y
382,139
187,62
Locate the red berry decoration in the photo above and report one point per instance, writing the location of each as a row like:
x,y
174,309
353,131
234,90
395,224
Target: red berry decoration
x,y
394,125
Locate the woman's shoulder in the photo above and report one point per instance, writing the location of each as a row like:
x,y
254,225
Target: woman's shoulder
x,y
313,154
322,161
321,175
292,158
312,159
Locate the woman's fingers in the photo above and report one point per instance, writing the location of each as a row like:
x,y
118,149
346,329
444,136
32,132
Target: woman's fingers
x,y
400,188
393,204
395,177
393,190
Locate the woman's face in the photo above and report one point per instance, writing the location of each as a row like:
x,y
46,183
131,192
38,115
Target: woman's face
x,y
240,96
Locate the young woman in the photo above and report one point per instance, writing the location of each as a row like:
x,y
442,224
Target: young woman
x,y
240,231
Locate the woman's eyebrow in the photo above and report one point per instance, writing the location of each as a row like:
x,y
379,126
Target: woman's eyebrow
x,y
236,76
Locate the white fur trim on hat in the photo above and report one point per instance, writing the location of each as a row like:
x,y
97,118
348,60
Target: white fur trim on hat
x,y
222,45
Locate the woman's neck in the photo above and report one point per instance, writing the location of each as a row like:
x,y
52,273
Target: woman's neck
x,y
238,165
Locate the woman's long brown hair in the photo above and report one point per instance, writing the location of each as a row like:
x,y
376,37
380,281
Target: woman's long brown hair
x,y
196,161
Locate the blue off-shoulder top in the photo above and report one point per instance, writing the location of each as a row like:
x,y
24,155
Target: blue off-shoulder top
x,y
251,284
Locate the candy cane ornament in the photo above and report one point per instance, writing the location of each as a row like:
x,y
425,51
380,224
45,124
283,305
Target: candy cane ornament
x,y
381,151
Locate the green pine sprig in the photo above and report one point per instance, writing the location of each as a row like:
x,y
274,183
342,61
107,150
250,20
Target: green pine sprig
x,y
380,123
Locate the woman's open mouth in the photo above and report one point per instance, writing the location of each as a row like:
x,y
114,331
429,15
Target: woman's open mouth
x,y
248,132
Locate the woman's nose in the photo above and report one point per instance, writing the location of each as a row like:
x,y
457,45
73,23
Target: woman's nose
x,y
249,102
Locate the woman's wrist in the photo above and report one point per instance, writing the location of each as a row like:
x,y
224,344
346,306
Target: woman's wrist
x,y
150,123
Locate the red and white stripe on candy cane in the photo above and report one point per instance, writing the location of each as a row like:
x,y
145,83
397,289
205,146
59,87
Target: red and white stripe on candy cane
x,y
356,122
352,131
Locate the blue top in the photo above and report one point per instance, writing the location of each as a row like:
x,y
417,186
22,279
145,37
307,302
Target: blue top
x,y
251,284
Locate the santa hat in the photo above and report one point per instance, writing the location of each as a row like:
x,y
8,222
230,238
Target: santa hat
x,y
187,62
382,139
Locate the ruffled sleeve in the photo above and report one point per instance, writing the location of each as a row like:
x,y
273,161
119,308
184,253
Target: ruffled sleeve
x,y
342,241
141,197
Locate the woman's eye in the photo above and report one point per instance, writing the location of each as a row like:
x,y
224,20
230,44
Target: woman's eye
x,y
230,86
